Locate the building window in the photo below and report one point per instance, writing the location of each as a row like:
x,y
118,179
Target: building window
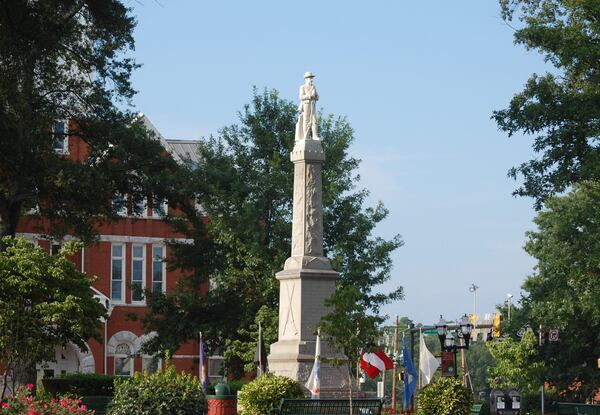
x,y
138,273
150,364
117,272
215,367
123,360
160,207
55,248
139,208
159,269
60,136
119,204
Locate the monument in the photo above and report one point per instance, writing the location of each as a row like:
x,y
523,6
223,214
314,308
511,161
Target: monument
x,y
307,278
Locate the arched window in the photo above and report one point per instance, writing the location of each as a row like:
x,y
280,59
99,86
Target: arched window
x,y
123,360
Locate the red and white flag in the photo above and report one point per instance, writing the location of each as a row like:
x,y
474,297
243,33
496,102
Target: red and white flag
x,y
375,363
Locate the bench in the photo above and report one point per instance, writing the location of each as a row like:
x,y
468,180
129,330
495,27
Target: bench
x,y
329,407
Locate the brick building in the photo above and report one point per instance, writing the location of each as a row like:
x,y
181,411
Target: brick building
x,y
128,258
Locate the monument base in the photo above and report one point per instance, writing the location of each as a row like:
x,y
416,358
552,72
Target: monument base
x,y
294,359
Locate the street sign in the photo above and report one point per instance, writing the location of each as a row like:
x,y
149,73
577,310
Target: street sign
x,y
553,335
433,331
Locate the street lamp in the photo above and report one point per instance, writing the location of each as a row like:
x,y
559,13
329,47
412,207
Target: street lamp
x,y
509,300
446,336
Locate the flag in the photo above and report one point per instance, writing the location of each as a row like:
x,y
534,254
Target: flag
x,y
260,358
204,381
428,364
313,384
410,375
375,363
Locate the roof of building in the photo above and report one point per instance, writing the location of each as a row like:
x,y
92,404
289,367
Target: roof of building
x,y
183,151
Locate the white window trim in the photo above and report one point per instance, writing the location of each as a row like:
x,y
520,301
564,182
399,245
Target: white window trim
x,y
65,149
133,259
123,276
164,267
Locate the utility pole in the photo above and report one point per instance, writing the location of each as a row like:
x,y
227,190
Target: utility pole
x,y
393,409
542,389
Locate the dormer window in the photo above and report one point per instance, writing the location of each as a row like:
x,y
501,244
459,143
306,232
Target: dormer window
x,y
60,136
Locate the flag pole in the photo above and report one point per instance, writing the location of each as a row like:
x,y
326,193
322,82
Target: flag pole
x,y
420,335
393,408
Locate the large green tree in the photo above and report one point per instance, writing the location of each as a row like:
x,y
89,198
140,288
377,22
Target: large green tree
x,y
564,291
44,302
560,108
245,184
69,60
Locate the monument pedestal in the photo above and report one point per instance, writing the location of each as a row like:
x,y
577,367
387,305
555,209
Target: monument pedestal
x,y
306,281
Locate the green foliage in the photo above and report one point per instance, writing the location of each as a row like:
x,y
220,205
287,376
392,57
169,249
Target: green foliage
x,y
479,360
445,396
68,60
560,108
516,364
245,186
263,394
348,326
44,302
159,393
80,384
564,293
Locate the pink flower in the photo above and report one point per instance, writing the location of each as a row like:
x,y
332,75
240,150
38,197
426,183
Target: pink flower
x,y
30,386
5,405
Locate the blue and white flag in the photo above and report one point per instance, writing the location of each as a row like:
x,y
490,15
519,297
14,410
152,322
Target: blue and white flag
x,y
410,375
313,384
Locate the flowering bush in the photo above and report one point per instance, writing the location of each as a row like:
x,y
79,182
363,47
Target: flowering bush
x,y
22,403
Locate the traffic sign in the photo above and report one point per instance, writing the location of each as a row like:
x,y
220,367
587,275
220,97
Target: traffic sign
x,y
553,335
433,331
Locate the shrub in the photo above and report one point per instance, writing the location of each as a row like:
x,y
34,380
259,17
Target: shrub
x,y
445,396
159,393
23,403
264,393
80,384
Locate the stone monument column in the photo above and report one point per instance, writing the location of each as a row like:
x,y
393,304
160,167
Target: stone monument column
x,y
307,278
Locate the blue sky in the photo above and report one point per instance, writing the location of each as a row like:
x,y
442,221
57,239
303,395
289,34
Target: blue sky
x,y
418,81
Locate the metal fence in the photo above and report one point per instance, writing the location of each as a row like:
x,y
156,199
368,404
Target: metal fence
x,y
577,409
330,407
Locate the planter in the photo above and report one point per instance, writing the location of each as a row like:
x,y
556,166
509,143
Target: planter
x,y
222,405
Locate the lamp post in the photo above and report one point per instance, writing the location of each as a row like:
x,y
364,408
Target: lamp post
x,y
509,301
473,289
447,341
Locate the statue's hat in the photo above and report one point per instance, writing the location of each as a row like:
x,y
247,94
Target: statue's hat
x,y
308,75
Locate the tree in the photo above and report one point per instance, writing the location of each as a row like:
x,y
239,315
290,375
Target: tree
x,y
479,360
516,363
564,293
68,60
44,302
560,108
245,187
